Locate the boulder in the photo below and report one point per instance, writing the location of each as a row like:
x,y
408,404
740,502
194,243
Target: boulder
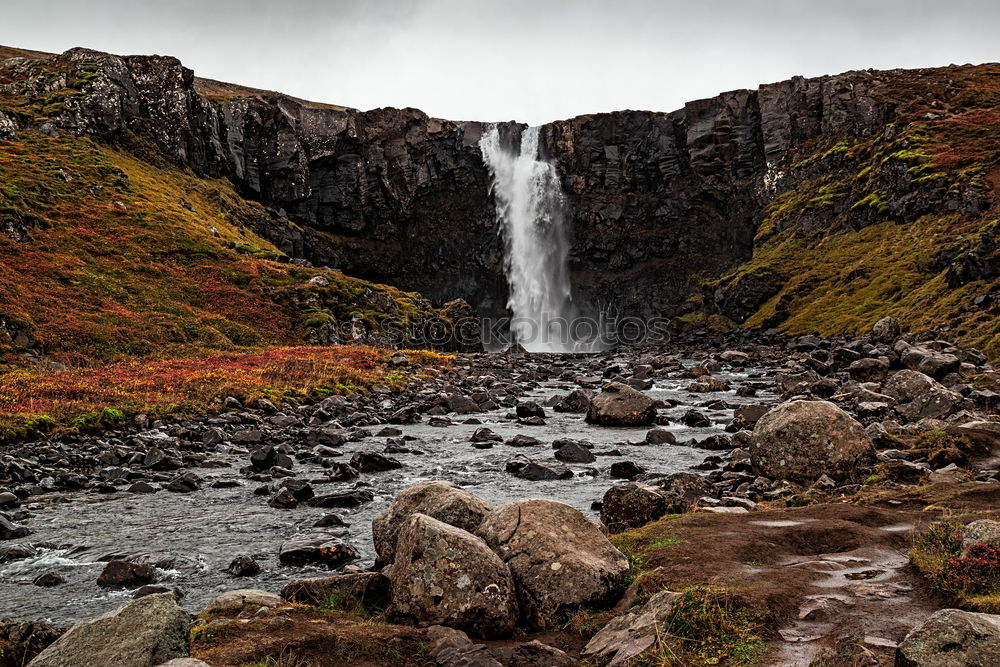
x,y
628,635
234,601
143,633
11,531
243,566
559,560
632,505
577,401
320,548
800,440
919,395
952,638
364,588
535,470
534,654
124,574
444,575
443,501
660,436
449,647
574,452
885,331
869,370
621,405
369,461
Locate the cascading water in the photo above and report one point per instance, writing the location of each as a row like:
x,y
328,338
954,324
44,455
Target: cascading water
x,y
530,208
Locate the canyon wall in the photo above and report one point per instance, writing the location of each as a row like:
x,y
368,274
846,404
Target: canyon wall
x,y
660,201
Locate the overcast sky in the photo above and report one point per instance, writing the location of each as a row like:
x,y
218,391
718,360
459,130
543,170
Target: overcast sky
x,y
533,61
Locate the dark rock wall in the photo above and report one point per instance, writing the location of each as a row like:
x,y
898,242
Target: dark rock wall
x,y
659,201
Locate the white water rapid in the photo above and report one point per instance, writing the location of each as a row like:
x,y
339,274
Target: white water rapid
x,y
530,208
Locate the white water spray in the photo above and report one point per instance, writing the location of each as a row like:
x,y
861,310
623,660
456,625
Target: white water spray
x,y
530,208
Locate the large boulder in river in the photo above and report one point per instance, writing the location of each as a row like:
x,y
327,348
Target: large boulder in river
x,y
443,501
559,559
919,395
144,633
620,405
444,575
801,440
952,638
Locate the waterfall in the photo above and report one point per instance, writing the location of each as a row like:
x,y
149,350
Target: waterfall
x,y
530,207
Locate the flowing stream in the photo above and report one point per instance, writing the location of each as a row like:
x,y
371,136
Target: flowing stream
x,y
531,210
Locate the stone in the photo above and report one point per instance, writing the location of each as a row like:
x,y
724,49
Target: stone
x,y
869,370
577,401
343,499
986,531
234,601
628,635
11,531
243,566
444,575
366,589
800,440
462,405
919,395
952,638
185,662
523,441
696,419
632,505
485,435
527,409
625,470
184,483
439,500
124,574
369,461
885,331
574,452
660,436
534,654
49,579
143,633
536,470
453,648
620,405
319,548
559,560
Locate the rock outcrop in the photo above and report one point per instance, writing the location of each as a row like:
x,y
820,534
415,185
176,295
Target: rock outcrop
x,y
559,559
952,637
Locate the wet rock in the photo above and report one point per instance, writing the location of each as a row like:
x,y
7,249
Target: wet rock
x,y
800,440
330,521
528,409
267,457
559,560
462,405
12,552
577,401
573,452
343,499
444,575
485,435
184,483
243,566
706,384
719,442
986,531
439,500
142,487
523,441
660,436
951,637
154,589
149,631
369,461
283,499
628,635
696,419
10,531
49,579
124,574
319,548
537,471
364,589
620,405
23,640
626,470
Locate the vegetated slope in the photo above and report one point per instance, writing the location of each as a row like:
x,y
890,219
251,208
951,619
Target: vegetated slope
x,y
899,221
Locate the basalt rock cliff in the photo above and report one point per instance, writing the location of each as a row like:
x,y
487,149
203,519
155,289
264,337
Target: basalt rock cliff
x,y
690,213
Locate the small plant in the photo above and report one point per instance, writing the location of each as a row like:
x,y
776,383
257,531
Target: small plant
x,y
707,627
972,580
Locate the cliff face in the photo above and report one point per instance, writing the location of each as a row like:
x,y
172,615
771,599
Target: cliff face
x,y
661,202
